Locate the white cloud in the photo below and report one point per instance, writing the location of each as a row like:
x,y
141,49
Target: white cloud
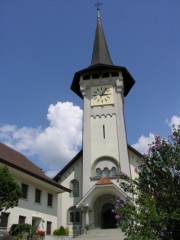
x,y
175,120
143,142
54,145
61,140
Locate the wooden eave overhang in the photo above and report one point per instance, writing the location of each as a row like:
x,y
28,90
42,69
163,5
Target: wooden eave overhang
x,y
100,69
49,181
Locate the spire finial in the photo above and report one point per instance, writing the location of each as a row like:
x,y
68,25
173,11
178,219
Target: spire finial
x,y
98,5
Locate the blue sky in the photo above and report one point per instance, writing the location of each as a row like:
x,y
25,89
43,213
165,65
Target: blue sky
x,y
44,42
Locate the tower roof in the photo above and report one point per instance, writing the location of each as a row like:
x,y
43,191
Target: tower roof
x,y
101,62
100,49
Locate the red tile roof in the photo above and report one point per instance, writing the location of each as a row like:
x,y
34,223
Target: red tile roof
x,y
104,181
18,161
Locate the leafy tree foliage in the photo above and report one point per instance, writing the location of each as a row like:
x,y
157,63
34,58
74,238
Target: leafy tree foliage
x,y
10,191
154,213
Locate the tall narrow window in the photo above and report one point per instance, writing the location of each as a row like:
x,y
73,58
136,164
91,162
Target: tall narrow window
x,y
98,172
106,172
71,216
74,186
104,135
113,171
24,190
50,200
4,219
48,228
37,196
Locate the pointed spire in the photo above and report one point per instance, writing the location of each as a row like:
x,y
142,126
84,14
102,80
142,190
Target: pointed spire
x,y
100,50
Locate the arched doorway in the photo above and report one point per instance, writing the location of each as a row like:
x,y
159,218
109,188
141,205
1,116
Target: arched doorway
x,y
107,217
103,216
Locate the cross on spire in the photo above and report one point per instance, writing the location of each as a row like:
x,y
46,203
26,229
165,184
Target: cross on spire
x,y
98,5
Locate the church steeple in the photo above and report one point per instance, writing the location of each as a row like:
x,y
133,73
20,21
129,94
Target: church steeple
x,y
101,63
100,53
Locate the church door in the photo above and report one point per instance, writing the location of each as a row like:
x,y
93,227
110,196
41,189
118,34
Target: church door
x,y
107,217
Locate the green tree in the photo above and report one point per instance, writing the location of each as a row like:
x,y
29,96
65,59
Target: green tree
x,y
155,213
10,191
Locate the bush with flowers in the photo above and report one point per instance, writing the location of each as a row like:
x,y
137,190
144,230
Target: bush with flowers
x,y
153,213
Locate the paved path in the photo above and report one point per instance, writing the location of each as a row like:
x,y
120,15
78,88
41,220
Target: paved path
x,y
102,234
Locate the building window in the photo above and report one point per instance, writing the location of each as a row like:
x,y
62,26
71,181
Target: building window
x,y
74,186
37,195
106,172
71,216
24,190
98,172
113,172
48,228
74,216
104,166
50,200
22,219
4,220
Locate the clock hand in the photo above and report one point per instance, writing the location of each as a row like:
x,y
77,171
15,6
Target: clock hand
x,y
103,92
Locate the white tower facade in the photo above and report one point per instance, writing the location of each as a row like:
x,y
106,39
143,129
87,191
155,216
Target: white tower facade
x,y
94,173
103,87
104,136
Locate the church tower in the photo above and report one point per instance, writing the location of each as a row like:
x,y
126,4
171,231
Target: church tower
x,y
103,86
93,174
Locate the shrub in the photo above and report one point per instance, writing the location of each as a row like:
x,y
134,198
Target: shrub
x,y
17,229
61,231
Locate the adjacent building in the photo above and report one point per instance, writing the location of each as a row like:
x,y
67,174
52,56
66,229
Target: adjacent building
x,y
38,205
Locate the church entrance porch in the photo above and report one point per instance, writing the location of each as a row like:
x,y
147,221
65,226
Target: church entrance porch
x,y
103,216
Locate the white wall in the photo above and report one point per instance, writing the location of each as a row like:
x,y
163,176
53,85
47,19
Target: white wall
x,y
28,208
43,218
64,200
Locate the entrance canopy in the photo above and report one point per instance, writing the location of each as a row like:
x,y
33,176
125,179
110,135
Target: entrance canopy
x,y
99,190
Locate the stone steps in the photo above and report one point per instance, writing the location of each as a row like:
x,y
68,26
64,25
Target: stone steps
x,y
102,234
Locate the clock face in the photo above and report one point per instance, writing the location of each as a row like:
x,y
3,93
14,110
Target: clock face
x,y
102,95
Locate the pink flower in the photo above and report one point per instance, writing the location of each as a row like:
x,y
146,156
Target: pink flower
x,y
117,217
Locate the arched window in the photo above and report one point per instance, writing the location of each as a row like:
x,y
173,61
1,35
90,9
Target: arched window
x,y
74,186
73,216
105,166
98,172
106,172
113,171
